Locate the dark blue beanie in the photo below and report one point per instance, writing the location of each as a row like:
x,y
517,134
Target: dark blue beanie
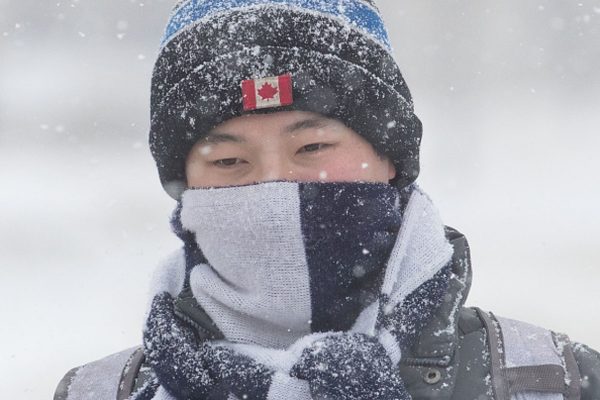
x,y
335,54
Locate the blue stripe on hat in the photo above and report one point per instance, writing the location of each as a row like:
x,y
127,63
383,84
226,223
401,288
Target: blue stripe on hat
x,y
354,11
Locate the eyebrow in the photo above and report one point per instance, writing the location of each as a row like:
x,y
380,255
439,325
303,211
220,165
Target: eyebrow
x,y
216,137
308,123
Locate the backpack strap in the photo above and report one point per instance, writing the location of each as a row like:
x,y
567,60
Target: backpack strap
x,y
499,384
534,362
130,373
573,375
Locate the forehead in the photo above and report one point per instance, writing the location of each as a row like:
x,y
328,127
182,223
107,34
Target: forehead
x,y
285,124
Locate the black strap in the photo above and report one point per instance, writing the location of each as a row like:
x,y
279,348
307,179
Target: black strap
x,y
573,391
495,344
537,378
130,373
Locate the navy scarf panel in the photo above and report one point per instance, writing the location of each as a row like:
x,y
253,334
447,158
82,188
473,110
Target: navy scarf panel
x,y
349,231
193,254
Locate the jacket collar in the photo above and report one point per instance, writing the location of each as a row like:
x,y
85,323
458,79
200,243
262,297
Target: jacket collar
x,y
438,341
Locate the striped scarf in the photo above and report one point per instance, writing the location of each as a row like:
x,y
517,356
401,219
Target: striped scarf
x,y
299,291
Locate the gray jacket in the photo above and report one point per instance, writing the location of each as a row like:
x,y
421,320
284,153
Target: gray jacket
x,y
463,354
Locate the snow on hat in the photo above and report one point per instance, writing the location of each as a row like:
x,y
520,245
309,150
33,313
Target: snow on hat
x,y
224,58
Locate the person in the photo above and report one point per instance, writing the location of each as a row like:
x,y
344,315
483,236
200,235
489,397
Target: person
x,y
313,266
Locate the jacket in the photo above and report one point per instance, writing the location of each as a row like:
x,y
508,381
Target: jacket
x,y
462,354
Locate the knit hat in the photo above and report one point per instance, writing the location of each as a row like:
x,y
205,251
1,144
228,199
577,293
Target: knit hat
x,y
220,59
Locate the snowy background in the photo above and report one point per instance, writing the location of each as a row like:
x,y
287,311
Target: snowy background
x,y
509,93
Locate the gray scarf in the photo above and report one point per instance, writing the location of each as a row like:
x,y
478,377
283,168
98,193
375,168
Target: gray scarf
x,y
270,269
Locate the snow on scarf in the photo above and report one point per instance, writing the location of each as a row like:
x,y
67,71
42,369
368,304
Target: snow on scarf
x,y
308,290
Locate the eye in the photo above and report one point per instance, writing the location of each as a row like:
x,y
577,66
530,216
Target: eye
x,y
228,162
313,147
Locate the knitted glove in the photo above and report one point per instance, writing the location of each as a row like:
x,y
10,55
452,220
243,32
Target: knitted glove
x,y
350,366
191,370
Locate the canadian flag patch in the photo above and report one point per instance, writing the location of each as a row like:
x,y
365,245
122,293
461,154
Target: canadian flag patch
x,y
273,91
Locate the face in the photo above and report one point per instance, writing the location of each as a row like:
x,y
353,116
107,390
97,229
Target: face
x,y
285,146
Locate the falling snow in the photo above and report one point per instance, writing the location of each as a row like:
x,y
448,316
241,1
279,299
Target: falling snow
x,y
496,86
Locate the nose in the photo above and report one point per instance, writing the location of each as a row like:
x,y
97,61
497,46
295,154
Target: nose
x,y
275,167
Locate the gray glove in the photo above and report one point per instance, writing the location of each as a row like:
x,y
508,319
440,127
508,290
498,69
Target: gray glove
x,y
191,370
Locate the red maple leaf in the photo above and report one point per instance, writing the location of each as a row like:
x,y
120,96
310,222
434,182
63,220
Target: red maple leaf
x,y
267,91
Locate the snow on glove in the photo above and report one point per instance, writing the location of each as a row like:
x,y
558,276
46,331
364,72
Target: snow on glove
x,y
191,370
350,366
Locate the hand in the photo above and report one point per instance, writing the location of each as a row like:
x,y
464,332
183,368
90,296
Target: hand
x,y
350,366
172,351
190,369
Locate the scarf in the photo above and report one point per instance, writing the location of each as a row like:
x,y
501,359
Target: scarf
x,y
304,290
